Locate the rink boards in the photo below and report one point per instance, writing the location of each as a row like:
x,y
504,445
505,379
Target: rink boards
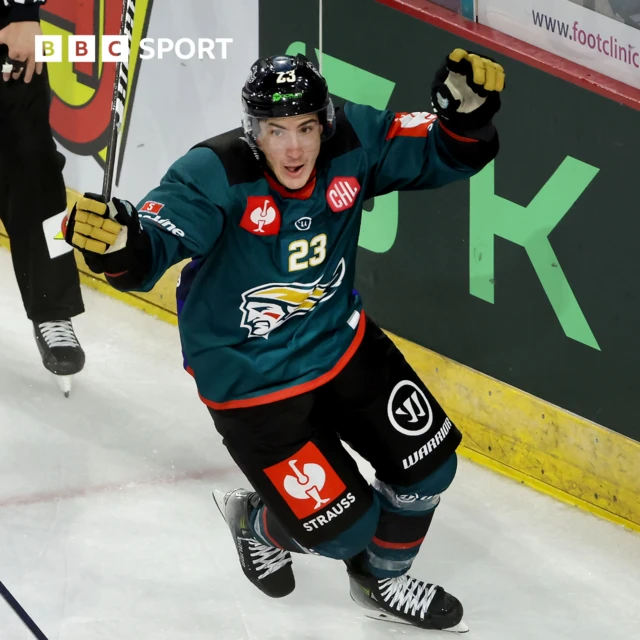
x,y
527,363
504,428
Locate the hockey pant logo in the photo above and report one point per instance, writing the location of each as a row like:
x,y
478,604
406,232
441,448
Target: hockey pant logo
x,y
410,413
309,485
409,410
429,446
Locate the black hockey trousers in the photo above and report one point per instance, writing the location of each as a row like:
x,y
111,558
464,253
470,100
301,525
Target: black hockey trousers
x,y
33,201
316,498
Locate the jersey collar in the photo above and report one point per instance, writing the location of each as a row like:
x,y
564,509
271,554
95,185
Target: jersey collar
x,y
304,193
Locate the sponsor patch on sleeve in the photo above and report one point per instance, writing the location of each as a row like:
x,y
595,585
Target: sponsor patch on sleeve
x,y
151,207
413,125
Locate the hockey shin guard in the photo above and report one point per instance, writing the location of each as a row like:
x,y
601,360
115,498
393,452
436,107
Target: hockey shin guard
x,y
405,517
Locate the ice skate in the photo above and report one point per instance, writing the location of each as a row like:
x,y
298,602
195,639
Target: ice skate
x,y
60,350
405,600
266,567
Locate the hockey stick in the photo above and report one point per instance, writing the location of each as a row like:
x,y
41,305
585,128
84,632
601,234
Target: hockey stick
x,y
320,35
21,613
119,98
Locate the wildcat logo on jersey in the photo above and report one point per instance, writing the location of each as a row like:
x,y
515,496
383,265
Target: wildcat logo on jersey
x,y
269,306
416,124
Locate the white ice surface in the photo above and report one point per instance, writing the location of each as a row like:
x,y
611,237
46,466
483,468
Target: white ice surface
x,y
108,529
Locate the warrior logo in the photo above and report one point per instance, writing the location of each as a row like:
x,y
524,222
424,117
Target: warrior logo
x,y
303,224
409,410
82,91
268,306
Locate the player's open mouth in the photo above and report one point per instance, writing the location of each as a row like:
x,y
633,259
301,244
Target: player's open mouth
x,y
294,170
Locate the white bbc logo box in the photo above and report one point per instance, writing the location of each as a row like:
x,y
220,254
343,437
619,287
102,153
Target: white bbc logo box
x,y
82,48
116,48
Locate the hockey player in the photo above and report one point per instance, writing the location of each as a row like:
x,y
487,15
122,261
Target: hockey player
x,y
275,336
32,194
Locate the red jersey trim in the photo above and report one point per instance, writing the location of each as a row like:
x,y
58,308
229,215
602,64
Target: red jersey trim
x,y
552,64
299,194
298,389
455,136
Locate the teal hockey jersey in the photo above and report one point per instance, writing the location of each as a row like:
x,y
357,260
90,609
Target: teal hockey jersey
x,y
266,306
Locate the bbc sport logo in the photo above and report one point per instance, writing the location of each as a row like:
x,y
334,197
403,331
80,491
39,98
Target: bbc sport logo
x,y
116,49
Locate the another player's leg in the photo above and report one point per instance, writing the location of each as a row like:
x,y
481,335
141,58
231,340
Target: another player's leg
x,y
396,424
308,496
32,206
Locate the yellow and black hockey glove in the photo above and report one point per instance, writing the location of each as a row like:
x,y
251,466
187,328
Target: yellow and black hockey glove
x,y
466,91
109,236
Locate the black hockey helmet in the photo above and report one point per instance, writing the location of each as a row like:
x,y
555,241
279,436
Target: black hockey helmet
x,y
281,86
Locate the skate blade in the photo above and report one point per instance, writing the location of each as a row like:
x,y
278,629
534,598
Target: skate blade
x,y
218,498
64,382
461,627
383,616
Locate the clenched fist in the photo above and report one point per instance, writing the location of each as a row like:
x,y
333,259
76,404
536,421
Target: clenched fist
x,y
107,234
466,91
93,229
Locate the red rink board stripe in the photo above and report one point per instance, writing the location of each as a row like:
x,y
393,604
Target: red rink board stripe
x,y
518,50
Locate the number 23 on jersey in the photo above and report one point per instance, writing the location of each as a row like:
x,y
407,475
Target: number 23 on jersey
x,y
304,254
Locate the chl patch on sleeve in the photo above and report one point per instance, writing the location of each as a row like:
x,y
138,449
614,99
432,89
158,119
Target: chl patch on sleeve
x,y
52,228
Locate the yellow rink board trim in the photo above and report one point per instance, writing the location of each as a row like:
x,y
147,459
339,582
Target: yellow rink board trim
x,y
535,442
504,428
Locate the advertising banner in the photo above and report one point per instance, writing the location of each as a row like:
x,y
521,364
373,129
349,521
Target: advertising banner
x,y
577,33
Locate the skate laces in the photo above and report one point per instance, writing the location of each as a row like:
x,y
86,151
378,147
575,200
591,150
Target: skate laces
x,y
267,559
58,333
410,593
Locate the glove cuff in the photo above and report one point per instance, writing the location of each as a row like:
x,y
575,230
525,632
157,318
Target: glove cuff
x,y
139,264
484,133
473,151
